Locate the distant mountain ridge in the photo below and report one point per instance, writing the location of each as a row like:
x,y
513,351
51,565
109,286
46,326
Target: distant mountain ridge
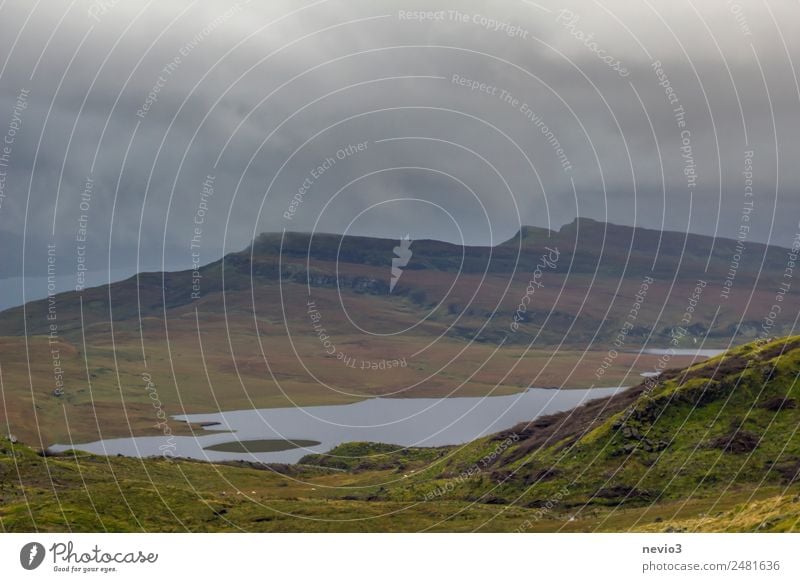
x,y
595,256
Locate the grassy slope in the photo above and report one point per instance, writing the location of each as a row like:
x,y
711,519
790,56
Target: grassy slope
x,y
710,448
726,424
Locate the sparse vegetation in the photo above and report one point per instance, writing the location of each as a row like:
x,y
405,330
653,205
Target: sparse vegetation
x,y
612,465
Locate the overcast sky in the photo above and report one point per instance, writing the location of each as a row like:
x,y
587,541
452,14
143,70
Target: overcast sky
x,y
472,120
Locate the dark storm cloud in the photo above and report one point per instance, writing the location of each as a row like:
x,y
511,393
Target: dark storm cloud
x,y
150,101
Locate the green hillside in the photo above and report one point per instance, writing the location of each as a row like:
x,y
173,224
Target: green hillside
x,y
710,448
728,424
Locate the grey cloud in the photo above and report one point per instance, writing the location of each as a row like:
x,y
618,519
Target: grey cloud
x,y
616,146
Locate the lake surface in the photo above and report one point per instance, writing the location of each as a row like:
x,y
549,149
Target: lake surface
x,y
423,422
